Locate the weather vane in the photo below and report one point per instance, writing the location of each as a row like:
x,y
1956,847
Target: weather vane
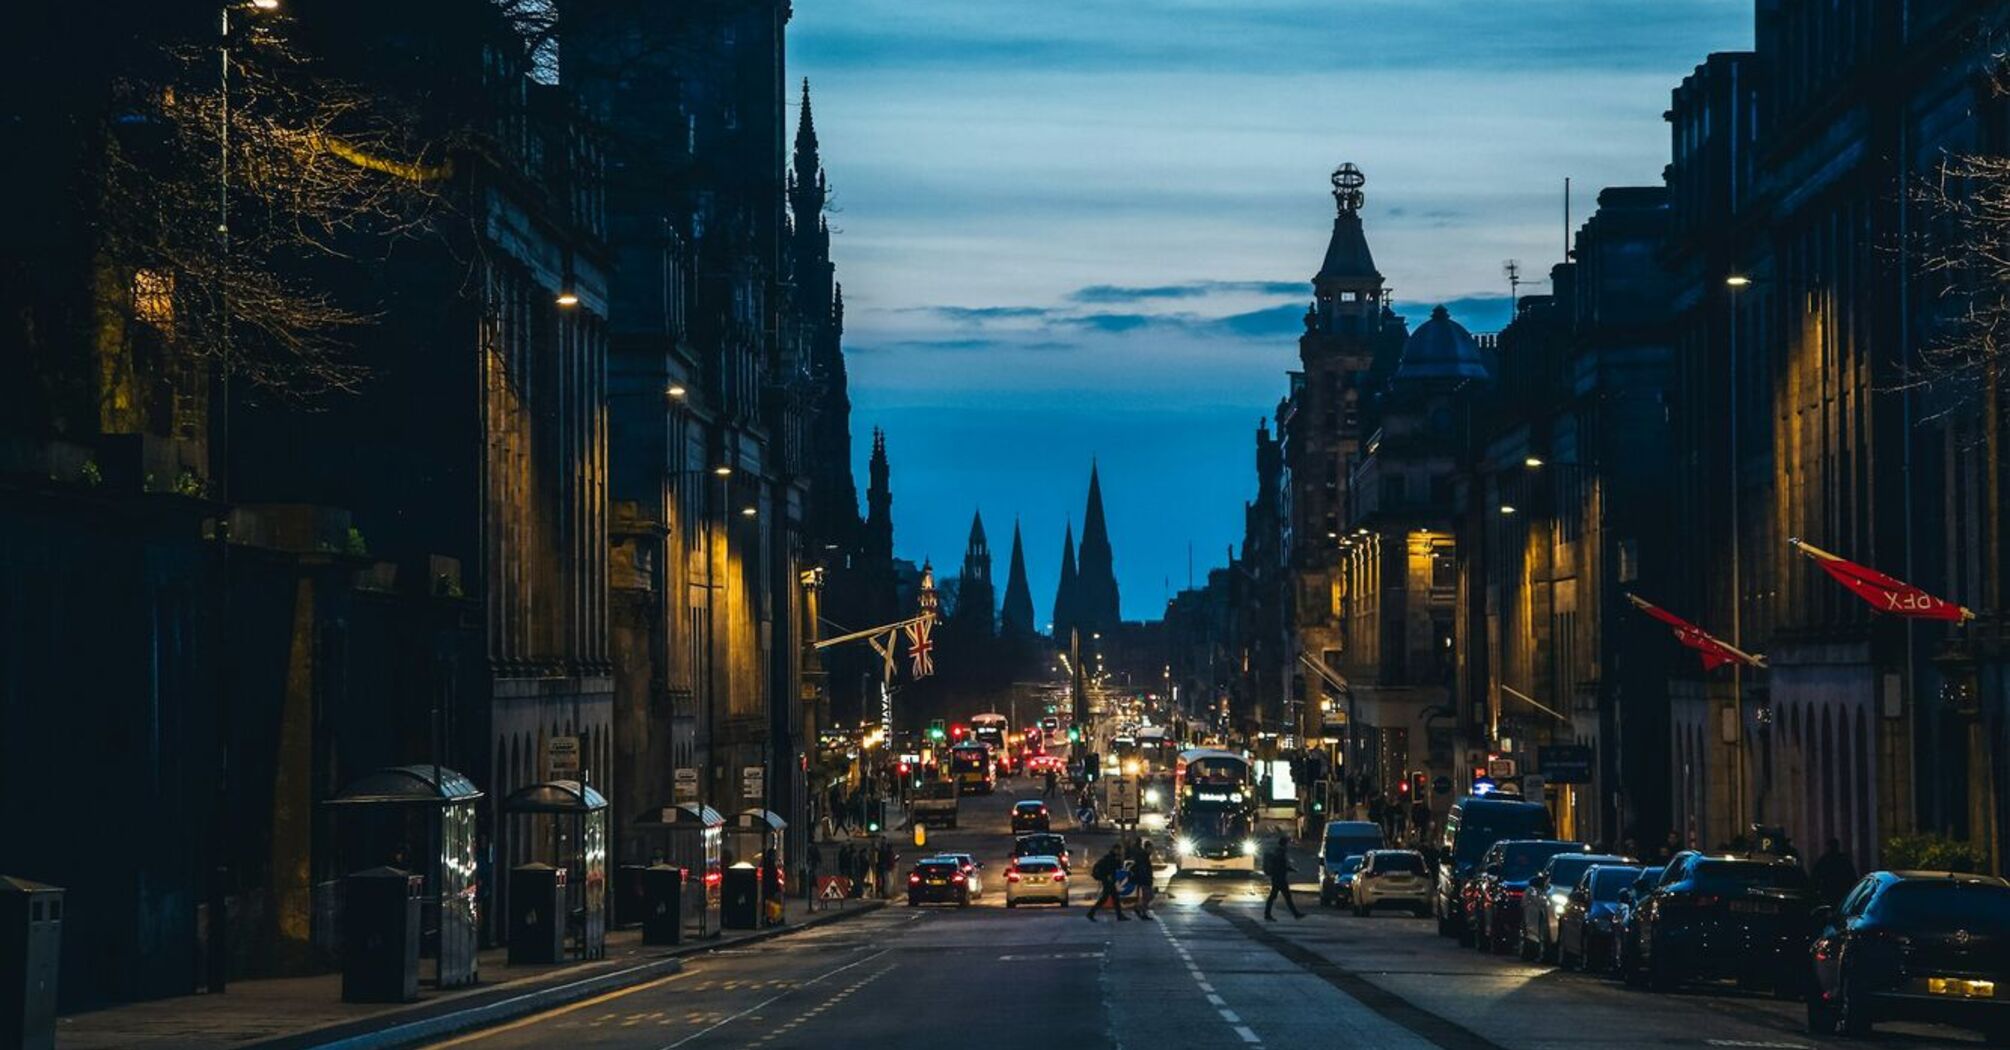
x,y
1347,183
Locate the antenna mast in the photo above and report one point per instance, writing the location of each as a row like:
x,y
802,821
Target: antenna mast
x,y
1511,269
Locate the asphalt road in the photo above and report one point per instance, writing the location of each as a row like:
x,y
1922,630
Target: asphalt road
x,y
1209,973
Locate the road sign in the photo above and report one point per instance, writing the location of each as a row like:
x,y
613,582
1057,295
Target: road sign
x,y
1564,763
561,758
753,782
684,785
1500,768
1122,796
833,887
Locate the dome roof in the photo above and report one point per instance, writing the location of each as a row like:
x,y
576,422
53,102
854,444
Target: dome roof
x,y
1440,348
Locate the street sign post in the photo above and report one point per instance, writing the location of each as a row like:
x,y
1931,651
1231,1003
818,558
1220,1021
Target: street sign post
x,y
684,785
1564,763
1122,798
753,782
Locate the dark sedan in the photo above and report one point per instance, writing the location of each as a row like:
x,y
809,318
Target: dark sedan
x,y
1030,815
938,880
1504,875
1744,917
1590,913
1626,924
1914,945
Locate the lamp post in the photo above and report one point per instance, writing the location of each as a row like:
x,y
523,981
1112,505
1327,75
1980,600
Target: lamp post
x,y
1748,801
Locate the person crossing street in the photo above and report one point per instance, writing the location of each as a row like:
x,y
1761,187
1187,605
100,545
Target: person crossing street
x,y
1277,865
1105,874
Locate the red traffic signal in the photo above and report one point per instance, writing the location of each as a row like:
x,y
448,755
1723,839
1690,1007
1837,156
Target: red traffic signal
x,y
1403,788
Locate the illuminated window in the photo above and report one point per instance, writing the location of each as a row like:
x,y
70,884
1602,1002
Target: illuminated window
x,y
153,297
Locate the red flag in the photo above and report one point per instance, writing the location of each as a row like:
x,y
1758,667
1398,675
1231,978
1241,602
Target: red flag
x,y
1714,651
1884,593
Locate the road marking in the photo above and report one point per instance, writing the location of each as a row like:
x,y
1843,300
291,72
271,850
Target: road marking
x,y
1216,1000
559,1011
1221,1005
1229,1016
1051,955
757,1006
1247,1035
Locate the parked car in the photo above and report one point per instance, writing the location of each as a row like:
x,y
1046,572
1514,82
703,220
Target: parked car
x,y
1036,879
1336,883
1392,878
1548,893
1585,930
1503,880
1339,840
1914,945
1471,827
1743,916
937,880
1029,815
1625,961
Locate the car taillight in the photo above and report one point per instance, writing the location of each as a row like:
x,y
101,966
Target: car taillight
x,y
1011,876
913,879
1060,878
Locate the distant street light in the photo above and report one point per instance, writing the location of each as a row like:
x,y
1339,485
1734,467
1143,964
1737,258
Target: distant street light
x,y
1532,462
1737,280
748,512
1507,508
676,391
567,297
722,471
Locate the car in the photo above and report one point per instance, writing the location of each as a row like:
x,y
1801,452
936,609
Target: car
x,y
1496,904
1548,893
1036,878
1625,929
1336,882
1913,945
1030,814
1042,844
971,868
1392,878
1584,931
1041,764
938,880
1471,827
1726,915
1339,840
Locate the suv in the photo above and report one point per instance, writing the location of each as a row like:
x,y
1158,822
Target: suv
x,y
1913,945
1727,915
1471,827
1548,895
1392,878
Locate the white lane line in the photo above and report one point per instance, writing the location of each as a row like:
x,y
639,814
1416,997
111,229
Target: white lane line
x,y
1247,1035
757,1006
1229,1016
1242,1031
1216,1000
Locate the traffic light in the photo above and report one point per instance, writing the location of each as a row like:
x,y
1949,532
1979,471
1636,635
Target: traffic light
x,y
1074,734
935,730
1403,788
958,731
1420,786
875,815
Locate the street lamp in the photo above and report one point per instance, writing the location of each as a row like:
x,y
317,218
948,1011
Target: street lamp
x,y
1532,462
1507,508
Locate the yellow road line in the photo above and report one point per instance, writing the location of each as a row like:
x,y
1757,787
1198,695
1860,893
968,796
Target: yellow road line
x,y
539,1018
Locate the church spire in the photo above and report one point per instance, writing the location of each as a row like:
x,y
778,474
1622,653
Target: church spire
x,y
976,600
1096,589
1016,621
1064,595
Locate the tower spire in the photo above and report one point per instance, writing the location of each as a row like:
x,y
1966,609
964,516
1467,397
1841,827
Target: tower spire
x,y
976,601
1064,595
1096,580
1016,619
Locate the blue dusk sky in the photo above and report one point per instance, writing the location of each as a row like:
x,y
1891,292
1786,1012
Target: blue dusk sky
x,y
1085,228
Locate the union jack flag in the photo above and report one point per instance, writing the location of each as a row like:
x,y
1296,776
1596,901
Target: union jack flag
x,y
920,648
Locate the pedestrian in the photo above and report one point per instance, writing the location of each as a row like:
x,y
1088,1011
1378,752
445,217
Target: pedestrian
x,y
1053,784
1277,865
1672,847
813,867
771,887
887,859
1105,874
1141,877
1834,873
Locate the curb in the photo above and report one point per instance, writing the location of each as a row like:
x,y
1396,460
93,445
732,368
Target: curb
x,y
396,1034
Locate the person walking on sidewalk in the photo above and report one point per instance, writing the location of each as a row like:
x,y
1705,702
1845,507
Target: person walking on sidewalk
x,y
1105,874
883,869
1277,865
1141,877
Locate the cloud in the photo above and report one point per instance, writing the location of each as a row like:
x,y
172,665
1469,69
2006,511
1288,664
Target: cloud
x,y
1115,293
1479,313
981,314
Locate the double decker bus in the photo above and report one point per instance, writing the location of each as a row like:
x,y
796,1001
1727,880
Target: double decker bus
x,y
990,728
1158,750
1214,811
972,768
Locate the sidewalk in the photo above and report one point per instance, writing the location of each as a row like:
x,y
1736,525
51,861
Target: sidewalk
x,y
297,1013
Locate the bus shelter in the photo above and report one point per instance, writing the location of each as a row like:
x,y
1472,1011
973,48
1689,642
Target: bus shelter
x,y
692,837
420,819
565,824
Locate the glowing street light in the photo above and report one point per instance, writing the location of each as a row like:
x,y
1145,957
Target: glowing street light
x,y
1737,280
1507,508
676,391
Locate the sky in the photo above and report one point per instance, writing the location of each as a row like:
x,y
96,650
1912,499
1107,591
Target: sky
x,y
1083,230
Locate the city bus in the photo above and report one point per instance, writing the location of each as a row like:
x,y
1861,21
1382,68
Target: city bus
x,y
990,728
1214,811
1158,750
971,767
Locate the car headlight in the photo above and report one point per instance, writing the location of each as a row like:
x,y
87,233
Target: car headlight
x,y
1183,847
1249,847
1152,797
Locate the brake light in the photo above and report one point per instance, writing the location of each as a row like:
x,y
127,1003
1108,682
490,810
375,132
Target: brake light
x,y
913,879
1011,876
1060,878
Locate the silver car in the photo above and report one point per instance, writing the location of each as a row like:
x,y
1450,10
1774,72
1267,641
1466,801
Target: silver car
x,y
1392,878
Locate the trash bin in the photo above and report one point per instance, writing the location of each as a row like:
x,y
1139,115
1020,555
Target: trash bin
x,y
380,935
631,903
536,914
663,907
31,935
740,908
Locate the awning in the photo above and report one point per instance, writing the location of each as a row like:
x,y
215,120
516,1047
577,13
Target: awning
x,y
756,818
555,796
409,785
686,815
